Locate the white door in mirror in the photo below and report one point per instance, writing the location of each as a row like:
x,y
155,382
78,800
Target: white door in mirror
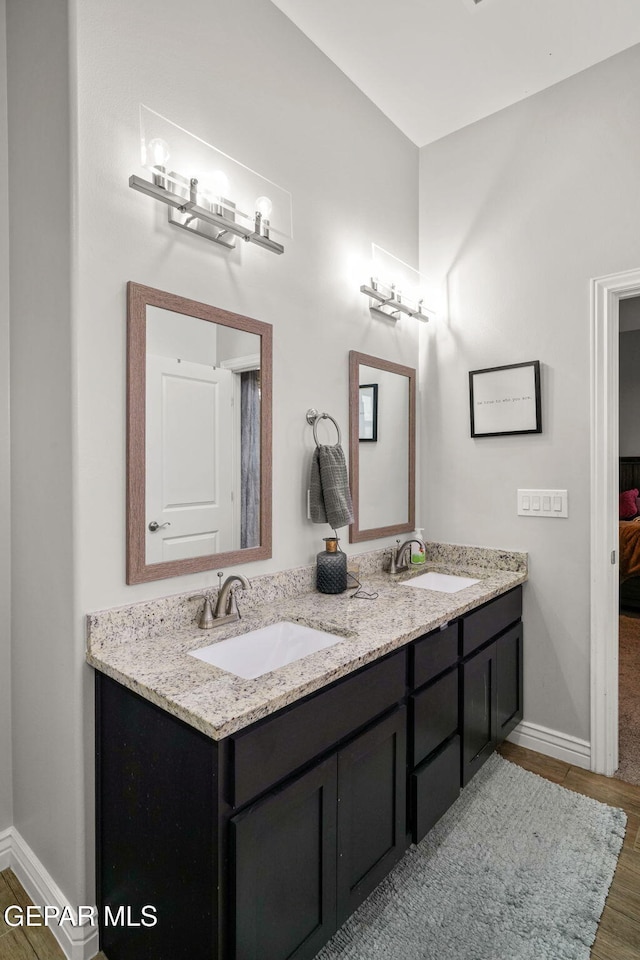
x,y
189,460
442,582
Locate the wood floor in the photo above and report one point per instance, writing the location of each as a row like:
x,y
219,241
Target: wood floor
x,y
618,935
24,943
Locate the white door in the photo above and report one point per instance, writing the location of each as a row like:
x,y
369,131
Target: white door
x,y
189,484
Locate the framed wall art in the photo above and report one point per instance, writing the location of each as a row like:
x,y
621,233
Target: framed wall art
x,y
505,400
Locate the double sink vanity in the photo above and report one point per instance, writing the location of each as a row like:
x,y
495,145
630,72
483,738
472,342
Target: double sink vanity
x,y
257,780
255,789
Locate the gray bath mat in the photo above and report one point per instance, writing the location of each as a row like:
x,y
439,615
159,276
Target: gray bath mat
x,y
517,869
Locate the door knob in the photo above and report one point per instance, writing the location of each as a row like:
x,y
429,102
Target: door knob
x,y
154,525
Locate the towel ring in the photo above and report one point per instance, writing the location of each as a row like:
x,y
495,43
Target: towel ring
x,y
313,416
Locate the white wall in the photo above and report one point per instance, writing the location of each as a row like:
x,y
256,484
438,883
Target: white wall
x,y
518,212
6,815
270,98
630,394
241,76
47,650
172,334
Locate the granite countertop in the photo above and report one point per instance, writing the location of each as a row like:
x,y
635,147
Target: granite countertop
x,y
146,646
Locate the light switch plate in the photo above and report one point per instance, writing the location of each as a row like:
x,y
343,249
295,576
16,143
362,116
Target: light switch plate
x,y
543,503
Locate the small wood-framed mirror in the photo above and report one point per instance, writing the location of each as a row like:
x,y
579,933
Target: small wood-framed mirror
x,y
382,446
198,436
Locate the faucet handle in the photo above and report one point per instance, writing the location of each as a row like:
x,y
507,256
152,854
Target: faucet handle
x,y
206,619
232,606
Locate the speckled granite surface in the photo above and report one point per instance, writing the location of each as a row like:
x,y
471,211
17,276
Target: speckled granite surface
x,y
145,646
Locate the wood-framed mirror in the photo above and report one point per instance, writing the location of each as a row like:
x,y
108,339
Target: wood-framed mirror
x,y
199,387
382,446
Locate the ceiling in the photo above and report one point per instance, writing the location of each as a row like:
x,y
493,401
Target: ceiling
x,y
434,66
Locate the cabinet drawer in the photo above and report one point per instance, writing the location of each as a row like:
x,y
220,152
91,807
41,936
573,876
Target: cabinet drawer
x,y
434,714
273,749
434,787
495,616
434,653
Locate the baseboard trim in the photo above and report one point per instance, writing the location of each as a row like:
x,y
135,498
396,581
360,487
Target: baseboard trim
x,y
77,943
551,743
5,849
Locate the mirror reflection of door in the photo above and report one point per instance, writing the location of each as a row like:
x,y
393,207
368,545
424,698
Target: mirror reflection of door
x,y
202,438
189,462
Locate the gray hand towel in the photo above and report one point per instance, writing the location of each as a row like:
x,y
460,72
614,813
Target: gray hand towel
x,y
329,494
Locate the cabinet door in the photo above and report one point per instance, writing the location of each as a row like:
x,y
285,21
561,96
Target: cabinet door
x,y
509,681
371,809
479,710
284,869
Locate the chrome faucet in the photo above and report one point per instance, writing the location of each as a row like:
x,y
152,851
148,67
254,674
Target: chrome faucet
x,y
226,609
399,562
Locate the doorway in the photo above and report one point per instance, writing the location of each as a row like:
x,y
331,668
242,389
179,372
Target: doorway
x,y
606,296
629,542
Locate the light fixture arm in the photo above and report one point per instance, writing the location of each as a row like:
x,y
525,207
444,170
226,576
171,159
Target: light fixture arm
x,y
217,218
391,307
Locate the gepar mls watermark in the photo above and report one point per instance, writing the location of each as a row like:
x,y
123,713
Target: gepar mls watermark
x,y
123,916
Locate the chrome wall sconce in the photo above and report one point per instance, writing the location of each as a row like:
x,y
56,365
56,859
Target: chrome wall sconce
x,y
201,203
391,298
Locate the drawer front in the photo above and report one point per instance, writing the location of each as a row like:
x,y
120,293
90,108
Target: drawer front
x,y
273,749
433,654
495,616
434,787
434,714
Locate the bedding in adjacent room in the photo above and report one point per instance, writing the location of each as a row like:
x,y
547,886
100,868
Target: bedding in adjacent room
x,y
629,533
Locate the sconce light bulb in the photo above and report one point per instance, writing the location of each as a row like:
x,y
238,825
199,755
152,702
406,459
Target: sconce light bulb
x,y
217,184
264,207
158,152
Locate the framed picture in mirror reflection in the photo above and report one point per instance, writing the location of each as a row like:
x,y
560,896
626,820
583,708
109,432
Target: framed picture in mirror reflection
x,y
368,412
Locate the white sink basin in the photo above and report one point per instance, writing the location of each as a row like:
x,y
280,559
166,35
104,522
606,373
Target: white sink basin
x,y
260,651
443,582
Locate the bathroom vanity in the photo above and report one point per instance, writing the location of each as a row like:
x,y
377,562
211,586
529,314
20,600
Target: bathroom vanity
x,y
256,836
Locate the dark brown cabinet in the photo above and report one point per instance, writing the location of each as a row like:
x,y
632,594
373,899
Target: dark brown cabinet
x,y
434,722
283,851
306,856
258,846
372,822
434,713
263,842
478,696
490,678
435,785
510,677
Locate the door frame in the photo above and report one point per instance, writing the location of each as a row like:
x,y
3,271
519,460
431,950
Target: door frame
x,y
606,294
